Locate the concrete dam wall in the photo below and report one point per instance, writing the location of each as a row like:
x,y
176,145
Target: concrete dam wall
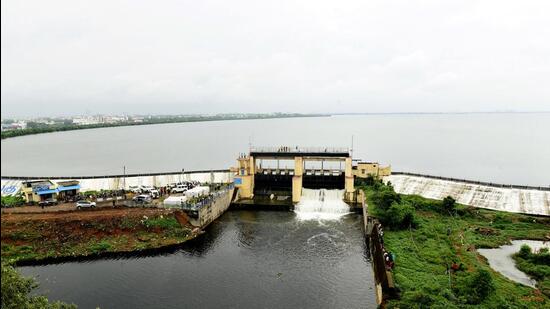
x,y
12,184
512,199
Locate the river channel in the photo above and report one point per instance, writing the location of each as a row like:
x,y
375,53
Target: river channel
x,y
246,259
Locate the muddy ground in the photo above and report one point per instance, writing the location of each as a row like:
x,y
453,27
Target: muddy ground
x,y
27,236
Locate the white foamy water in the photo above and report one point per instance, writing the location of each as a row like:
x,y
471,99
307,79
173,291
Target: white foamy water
x,y
321,204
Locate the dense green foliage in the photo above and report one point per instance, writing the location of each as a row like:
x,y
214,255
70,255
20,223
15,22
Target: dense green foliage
x,y
16,292
437,265
536,265
13,201
38,128
448,204
392,211
475,288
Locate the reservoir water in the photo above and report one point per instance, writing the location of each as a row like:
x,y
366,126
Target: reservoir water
x,y
247,259
505,148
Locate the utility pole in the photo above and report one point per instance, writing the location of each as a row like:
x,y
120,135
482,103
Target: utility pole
x,y
351,152
124,178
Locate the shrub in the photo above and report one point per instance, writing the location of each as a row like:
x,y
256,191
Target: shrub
x,y
370,181
449,204
475,288
524,251
385,197
481,285
16,292
13,201
535,264
399,216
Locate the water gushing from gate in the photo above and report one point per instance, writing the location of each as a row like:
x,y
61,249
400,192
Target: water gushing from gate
x,y
321,204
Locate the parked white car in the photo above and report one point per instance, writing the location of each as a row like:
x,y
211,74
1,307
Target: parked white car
x,y
85,204
154,193
143,198
179,189
135,189
147,189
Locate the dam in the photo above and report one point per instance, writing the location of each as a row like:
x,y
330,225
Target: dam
x,y
280,176
320,186
518,199
332,169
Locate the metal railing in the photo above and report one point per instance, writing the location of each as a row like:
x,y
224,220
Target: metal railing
x,y
114,175
206,201
474,182
297,149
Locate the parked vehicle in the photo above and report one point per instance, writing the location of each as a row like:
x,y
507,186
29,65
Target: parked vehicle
x,y
49,202
135,189
154,193
85,204
179,189
147,189
142,198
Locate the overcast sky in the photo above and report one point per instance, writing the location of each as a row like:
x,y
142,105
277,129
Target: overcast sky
x,y
75,57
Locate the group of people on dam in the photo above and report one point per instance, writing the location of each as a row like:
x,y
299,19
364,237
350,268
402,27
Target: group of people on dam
x,y
389,257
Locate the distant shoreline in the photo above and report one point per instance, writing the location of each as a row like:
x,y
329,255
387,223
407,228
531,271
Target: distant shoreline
x,y
198,118
73,127
440,113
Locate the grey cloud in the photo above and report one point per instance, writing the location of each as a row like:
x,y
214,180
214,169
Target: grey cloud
x,y
62,57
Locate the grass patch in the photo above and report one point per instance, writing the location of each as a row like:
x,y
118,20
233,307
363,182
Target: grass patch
x,y
102,246
437,265
162,222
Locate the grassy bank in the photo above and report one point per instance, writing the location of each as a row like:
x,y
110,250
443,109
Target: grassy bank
x,y
536,265
437,264
78,234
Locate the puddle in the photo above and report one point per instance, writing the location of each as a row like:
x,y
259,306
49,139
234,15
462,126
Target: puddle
x,y
500,259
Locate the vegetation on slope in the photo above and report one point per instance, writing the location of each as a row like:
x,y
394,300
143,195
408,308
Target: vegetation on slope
x,y
16,292
536,265
435,243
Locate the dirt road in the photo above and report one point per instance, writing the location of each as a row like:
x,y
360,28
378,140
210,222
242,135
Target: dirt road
x,y
83,215
67,207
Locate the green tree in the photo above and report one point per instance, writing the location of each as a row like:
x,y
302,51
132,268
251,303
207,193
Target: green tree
x,y
475,288
12,201
385,197
16,292
449,204
399,216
